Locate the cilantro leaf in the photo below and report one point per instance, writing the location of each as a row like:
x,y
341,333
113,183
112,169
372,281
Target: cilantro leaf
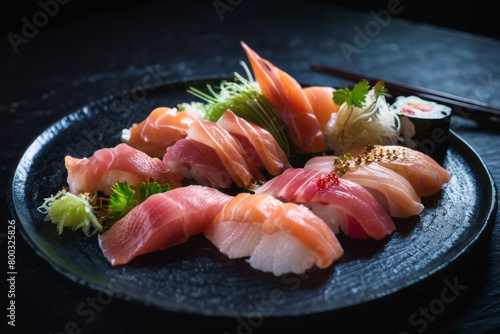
x,y
380,89
354,98
359,92
122,200
341,95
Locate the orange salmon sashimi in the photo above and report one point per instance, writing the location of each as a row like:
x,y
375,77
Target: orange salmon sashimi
x,y
278,237
321,99
425,175
118,164
161,221
230,151
286,96
259,144
160,130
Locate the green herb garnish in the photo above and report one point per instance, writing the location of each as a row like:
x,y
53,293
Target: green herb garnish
x,y
84,211
363,116
124,197
353,98
122,200
357,96
148,189
245,99
380,89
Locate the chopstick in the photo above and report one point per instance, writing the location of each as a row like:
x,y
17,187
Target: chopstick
x,y
461,106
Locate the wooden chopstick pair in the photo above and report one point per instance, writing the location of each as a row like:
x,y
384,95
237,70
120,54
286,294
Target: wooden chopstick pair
x,y
461,106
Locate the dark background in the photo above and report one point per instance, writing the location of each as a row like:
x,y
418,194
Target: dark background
x,y
477,17
94,49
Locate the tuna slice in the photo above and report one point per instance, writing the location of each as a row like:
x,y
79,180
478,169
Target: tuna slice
x,y
195,160
161,221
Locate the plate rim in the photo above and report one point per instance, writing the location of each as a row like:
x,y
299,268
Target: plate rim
x,y
20,214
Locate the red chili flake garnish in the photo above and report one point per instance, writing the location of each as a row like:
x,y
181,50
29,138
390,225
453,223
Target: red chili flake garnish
x,y
327,180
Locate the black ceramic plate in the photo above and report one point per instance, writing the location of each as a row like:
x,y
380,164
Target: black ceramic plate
x,y
195,278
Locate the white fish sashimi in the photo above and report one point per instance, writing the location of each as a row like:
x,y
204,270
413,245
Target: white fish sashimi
x,y
392,191
425,175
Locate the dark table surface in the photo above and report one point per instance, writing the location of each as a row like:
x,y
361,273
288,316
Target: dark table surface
x,y
79,55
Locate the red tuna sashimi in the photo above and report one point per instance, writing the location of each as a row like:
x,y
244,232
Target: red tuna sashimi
x,y
391,190
258,142
286,96
161,129
162,221
195,160
110,165
358,213
231,153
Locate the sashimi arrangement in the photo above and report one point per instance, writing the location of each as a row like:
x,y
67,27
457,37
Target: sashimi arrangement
x,y
265,169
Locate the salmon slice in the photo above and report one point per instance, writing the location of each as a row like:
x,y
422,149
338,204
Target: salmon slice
x,y
425,175
161,129
161,221
257,142
286,96
110,165
321,99
337,201
231,153
278,237
392,191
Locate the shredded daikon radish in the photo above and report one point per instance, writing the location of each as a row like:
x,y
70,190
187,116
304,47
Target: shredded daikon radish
x,y
353,127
